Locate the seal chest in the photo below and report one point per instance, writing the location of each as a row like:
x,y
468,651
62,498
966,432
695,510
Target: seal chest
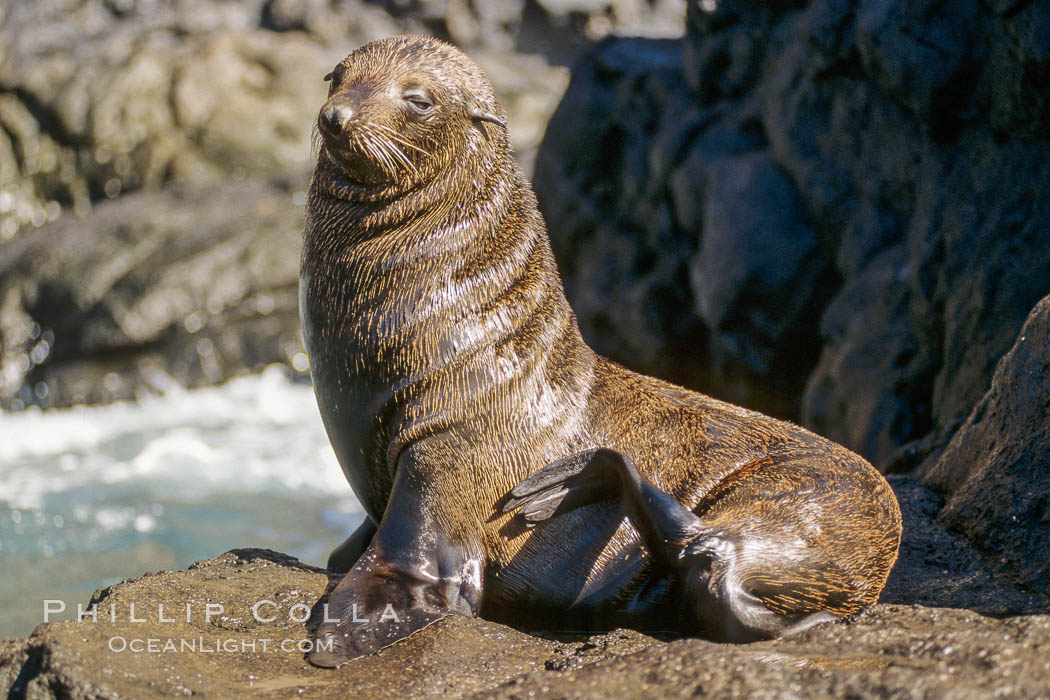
x,y
455,387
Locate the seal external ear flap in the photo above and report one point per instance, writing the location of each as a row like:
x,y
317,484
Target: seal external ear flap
x,y
485,116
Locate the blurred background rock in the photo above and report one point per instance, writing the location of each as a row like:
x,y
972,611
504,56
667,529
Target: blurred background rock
x,y
154,157
836,212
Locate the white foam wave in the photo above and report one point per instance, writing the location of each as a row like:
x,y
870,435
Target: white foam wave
x,y
252,434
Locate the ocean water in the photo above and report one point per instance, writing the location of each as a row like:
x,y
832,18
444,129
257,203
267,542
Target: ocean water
x,y
92,495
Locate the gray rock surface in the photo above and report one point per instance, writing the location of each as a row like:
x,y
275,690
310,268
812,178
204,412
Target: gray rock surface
x,y
888,651
938,567
103,98
996,469
99,97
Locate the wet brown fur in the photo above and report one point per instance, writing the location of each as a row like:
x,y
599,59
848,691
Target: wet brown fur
x,y
440,340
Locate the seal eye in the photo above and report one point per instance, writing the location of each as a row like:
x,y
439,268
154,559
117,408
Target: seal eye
x,y
419,102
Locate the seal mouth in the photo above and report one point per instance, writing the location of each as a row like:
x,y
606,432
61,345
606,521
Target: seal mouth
x,y
369,153
353,166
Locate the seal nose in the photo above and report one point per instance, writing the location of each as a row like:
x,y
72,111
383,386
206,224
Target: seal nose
x,y
334,116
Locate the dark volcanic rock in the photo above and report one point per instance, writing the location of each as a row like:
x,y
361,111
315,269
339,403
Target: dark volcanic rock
x,y
923,54
871,341
996,469
909,215
857,215
898,650
756,273
625,268
1018,64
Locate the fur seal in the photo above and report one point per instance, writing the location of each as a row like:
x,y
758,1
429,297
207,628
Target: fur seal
x,y
506,469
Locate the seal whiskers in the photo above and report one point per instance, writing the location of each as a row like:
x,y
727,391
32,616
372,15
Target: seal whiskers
x,y
394,136
384,148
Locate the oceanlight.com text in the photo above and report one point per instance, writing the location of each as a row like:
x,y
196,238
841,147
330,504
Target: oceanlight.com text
x,y
200,645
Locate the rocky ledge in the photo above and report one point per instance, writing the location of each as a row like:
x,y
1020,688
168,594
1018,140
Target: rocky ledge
x,y
947,627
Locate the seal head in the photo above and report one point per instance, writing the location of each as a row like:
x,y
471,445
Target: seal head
x,y
401,113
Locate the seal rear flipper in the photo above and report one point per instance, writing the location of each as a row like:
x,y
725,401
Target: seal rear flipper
x,y
735,614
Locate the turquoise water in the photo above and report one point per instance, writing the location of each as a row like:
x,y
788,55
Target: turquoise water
x,y
93,495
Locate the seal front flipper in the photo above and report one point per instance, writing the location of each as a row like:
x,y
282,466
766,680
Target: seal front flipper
x,y
411,575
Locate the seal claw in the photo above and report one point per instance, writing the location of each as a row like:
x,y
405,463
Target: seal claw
x,y
560,487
